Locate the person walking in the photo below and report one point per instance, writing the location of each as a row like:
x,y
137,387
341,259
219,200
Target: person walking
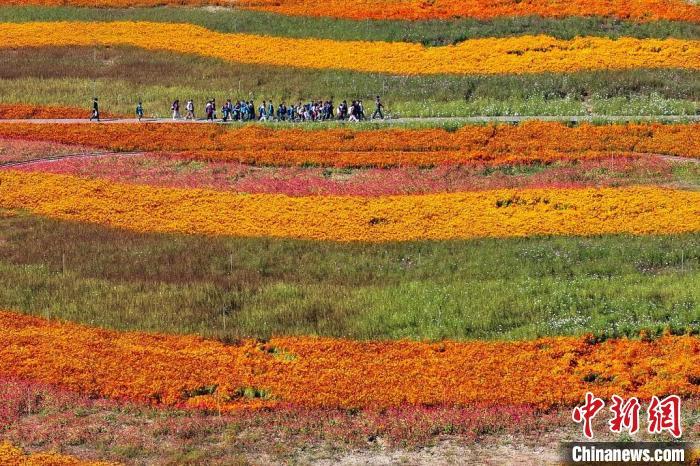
x,y
175,107
209,110
227,110
189,107
270,111
261,111
139,111
95,110
378,106
352,109
343,110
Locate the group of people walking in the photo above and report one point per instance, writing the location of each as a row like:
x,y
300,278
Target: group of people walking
x,y
189,108
242,110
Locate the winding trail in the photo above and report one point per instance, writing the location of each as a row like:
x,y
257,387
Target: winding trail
x,y
474,119
479,119
96,154
58,158
675,158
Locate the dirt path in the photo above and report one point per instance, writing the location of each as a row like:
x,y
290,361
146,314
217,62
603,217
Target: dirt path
x,y
475,119
58,158
676,158
97,153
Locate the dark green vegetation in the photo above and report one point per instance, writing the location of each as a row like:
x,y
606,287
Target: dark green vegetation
x,y
120,76
436,32
228,287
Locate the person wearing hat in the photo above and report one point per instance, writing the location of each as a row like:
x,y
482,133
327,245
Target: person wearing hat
x,y
95,110
209,110
190,110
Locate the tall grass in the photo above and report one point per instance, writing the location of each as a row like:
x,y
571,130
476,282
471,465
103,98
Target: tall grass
x,y
228,288
435,32
120,76
120,97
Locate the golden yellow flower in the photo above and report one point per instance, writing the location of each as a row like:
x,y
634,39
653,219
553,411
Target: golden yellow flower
x,y
330,373
524,54
11,456
497,213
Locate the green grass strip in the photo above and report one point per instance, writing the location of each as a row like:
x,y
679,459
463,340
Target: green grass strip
x,y
122,75
229,288
120,97
433,32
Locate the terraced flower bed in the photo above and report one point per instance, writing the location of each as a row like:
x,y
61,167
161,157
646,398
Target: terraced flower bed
x,y
296,292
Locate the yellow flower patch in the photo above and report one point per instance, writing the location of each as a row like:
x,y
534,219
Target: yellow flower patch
x,y
496,213
523,54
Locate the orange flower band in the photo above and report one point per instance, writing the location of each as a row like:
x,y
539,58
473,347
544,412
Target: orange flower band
x,y
523,54
640,10
322,372
497,144
497,213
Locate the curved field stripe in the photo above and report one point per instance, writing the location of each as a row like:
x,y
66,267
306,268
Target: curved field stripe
x,y
498,213
528,142
525,54
12,456
391,158
157,170
640,10
644,10
429,31
24,111
322,372
138,72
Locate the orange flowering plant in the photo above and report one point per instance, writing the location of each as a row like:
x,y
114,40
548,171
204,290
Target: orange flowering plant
x,y
322,372
24,111
640,10
644,10
522,54
529,142
11,456
490,213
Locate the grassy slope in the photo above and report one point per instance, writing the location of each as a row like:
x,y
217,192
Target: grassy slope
x,y
227,287
426,32
120,76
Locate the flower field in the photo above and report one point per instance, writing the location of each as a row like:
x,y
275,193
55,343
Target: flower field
x,y
646,10
27,112
176,172
523,54
293,427
17,150
530,142
499,213
519,228
12,456
18,111
484,9
314,372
